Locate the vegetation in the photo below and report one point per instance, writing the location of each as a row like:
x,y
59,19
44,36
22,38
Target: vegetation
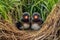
x,y
11,10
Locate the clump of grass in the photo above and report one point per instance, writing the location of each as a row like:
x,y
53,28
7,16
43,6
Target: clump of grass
x,y
12,10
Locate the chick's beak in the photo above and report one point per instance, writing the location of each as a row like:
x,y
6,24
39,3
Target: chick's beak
x,y
26,17
35,17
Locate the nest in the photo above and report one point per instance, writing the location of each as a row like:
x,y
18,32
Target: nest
x,y
50,29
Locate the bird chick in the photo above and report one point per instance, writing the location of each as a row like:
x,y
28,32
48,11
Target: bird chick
x,y
36,21
25,20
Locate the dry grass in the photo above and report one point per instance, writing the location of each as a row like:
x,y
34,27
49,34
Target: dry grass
x,y
50,29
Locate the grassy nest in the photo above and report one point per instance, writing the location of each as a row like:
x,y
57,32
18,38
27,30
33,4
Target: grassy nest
x,y
50,29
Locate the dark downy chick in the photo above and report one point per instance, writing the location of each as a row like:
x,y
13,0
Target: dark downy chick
x,y
25,20
36,21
